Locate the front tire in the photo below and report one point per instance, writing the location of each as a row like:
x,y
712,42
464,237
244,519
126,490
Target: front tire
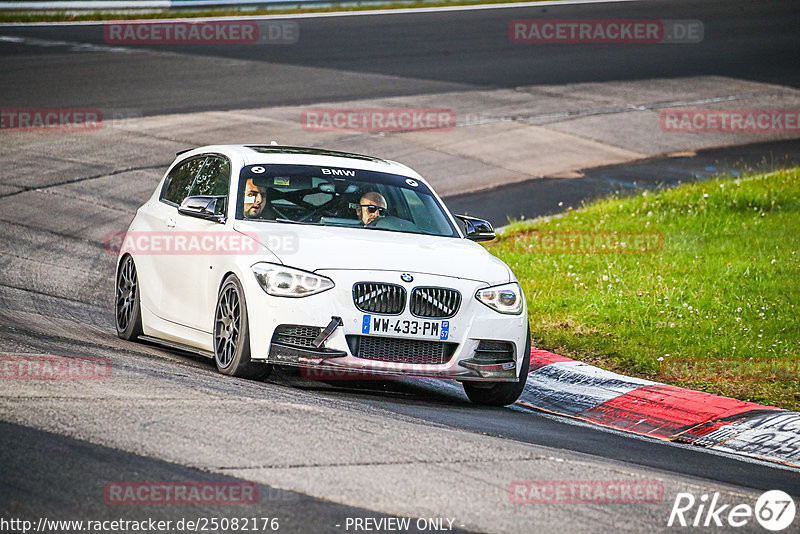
x,y
232,334
501,393
128,306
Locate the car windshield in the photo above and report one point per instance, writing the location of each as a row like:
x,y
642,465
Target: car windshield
x,y
329,196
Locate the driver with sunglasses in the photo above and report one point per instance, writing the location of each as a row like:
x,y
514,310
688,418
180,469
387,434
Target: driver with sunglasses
x,y
371,207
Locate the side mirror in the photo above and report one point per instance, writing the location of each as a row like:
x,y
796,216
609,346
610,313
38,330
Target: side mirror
x,y
477,229
209,208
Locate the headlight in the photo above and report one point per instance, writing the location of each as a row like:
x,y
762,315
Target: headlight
x,y
281,281
506,298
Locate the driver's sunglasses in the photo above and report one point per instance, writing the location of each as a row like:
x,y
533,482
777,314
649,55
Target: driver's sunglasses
x,y
372,209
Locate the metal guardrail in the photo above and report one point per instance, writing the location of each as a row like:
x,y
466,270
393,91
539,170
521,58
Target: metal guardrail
x,y
65,5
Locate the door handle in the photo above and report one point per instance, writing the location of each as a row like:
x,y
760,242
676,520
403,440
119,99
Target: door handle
x,y
170,223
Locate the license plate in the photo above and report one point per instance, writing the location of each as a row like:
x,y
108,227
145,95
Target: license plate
x,y
409,327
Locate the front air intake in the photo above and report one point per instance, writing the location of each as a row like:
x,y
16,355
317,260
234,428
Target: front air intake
x,y
400,350
435,302
376,297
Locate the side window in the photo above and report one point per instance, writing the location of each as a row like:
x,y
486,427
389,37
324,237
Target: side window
x,y
179,181
214,178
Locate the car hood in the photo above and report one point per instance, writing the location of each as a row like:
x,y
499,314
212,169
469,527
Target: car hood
x,y
314,248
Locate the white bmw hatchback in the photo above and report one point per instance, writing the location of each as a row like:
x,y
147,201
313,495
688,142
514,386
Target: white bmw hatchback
x,y
272,255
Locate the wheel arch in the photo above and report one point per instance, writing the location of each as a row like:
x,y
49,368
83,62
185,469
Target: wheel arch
x,y
224,278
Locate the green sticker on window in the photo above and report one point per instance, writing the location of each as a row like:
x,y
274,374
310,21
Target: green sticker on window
x,y
281,181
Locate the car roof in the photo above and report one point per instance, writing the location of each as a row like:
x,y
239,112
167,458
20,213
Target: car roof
x,y
299,155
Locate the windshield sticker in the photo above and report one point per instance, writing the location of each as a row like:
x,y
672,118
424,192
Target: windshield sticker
x,y
281,180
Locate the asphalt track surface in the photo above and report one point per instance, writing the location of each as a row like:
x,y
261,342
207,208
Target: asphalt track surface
x,y
366,56
47,309
549,196
56,474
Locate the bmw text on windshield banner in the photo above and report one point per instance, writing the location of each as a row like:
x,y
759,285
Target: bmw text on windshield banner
x,y
293,176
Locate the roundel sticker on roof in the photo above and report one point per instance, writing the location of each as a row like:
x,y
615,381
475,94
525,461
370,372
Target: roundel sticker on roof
x,y
257,170
412,183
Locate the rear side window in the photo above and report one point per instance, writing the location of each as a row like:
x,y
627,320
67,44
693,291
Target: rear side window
x,y
180,179
214,178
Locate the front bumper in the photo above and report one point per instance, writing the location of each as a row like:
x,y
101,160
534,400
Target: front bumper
x,y
469,331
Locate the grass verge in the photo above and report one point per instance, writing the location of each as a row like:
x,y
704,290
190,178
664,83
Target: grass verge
x,y
697,286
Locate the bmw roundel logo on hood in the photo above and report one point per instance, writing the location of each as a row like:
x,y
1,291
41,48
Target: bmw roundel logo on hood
x,y
405,277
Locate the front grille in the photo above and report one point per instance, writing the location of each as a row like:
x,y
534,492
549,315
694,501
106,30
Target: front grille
x,y
495,351
296,335
397,350
374,297
435,302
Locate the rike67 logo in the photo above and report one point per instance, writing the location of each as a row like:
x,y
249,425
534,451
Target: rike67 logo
x,y
774,511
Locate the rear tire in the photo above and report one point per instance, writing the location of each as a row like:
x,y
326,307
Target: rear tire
x,y
501,393
128,307
232,334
